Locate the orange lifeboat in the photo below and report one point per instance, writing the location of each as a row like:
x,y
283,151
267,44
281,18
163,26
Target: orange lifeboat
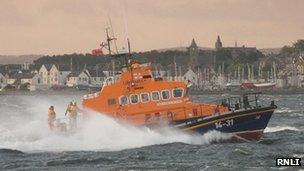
x,y
137,97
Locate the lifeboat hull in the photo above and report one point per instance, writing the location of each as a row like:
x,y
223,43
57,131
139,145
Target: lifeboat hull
x,y
247,125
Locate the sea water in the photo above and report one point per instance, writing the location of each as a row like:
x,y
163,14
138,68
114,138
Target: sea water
x,y
104,143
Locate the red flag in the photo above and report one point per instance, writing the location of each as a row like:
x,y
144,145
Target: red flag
x,y
97,52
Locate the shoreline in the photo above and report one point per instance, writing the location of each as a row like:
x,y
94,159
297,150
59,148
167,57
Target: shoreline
x,y
191,92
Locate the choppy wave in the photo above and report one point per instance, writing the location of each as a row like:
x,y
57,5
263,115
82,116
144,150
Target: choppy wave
x,y
280,128
285,110
10,151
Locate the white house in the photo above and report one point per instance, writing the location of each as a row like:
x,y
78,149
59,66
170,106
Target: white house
x,y
191,76
96,77
58,75
78,78
44,73
12,79
30,78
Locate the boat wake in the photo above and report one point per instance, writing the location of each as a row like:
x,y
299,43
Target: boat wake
x,y
98,132
280,128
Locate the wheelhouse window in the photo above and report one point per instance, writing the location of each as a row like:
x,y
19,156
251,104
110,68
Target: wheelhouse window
x,y
123,100
155,95
134,98
111,101
165,94
144,97
178,92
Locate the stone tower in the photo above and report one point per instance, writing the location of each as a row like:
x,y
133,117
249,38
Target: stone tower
x,y
218,43
193,53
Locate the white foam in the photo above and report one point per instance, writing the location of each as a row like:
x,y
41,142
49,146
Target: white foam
x,y
30,133
280,128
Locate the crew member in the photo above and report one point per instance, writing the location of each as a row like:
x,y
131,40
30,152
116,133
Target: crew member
x,y
72,111
217,110
51,117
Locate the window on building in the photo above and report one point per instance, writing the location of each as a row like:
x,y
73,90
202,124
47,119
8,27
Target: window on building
x,y
144,97
111,101
165,94
155,95
123,100
134,98
178,92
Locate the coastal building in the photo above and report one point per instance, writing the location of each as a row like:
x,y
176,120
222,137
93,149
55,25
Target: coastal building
x,y
12,79
78,78
58,74
25,66
193,53
234,50
191,76
218,43
96,77
30,78
44,73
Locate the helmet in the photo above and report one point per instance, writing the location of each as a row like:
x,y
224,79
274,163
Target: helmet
x,y
74,102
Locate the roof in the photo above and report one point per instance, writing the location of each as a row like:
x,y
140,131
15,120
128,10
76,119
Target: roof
x,y
193,44
27,75
96,73
47,66
74,74
23,76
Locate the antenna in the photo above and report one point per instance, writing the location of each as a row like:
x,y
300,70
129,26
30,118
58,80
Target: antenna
x,y
129,47
112,31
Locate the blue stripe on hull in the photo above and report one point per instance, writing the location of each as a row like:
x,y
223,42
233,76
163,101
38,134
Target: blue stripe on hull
x,y
238,124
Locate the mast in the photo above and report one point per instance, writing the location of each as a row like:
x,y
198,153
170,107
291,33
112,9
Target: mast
x,y
175,69
274,72
108,40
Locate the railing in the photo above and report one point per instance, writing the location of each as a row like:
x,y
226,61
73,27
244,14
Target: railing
x,y
245,101
91,96
110,80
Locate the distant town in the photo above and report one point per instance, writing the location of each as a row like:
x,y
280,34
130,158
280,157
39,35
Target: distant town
x,y
207,69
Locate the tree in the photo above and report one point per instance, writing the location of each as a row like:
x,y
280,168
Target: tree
x,y
299,46
287,50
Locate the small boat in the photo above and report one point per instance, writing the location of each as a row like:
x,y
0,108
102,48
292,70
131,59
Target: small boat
x,y
135,96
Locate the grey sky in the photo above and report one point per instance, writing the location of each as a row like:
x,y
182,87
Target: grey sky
x,y
67,26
